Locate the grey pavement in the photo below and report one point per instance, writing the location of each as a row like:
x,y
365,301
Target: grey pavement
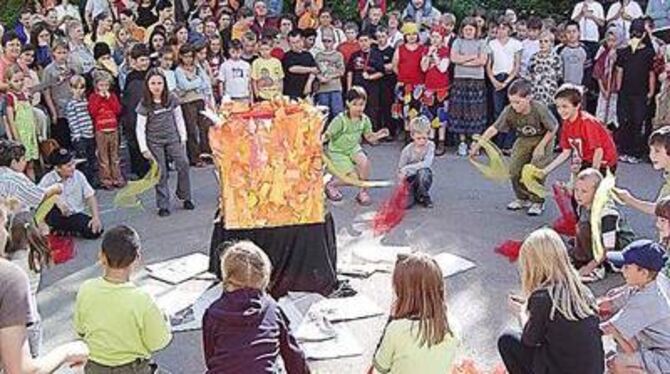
x,y
469,219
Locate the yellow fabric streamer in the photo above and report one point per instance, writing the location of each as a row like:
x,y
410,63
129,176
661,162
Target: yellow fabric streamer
x,y
497,169
351,180
127,197
600,199
44,208
530,177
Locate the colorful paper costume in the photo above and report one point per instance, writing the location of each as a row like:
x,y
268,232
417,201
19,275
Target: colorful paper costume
x,y
270,160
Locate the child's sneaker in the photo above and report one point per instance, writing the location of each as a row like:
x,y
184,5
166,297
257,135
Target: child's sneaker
x,y
518,204
536,209
594,276
462,149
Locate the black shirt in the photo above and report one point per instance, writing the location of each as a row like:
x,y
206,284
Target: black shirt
x,y
387,58
562,346
294,84
371,61
636,67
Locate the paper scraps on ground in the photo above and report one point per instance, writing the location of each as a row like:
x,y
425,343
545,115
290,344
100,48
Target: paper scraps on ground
x,y
452,264
345,308
179,269
392,210
44,208
531,177
349,179
509,249
191,318
343,344
496,170
176,301
128,196
566,223
600,200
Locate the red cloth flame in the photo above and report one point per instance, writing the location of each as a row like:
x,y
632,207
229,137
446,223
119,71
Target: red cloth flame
x,y
566,224
509,249
62,248
391,211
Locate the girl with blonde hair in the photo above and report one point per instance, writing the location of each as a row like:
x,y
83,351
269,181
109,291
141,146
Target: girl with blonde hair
x,y
245,331
558,314
417,338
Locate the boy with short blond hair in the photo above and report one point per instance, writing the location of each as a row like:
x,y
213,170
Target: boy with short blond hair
x,y
267,74
415,162
640,322
121,324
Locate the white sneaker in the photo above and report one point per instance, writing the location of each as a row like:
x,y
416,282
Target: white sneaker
x,y
596,275
462,149
535,209
518,204
633,160
624,158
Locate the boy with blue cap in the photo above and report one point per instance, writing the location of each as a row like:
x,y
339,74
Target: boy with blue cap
x,y
640,322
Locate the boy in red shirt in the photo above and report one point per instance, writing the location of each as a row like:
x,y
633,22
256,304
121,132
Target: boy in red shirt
x,y
350,46
582,136
105,108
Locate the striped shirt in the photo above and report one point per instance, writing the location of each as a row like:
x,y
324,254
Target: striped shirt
x,y
79,119
18,186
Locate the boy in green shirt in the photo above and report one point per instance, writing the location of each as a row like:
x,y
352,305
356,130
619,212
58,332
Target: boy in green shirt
x,y
121,323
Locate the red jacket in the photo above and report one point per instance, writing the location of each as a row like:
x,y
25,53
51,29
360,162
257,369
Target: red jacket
x,y
104,111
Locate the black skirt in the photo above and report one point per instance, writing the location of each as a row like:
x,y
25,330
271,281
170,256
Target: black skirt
x,y
303,257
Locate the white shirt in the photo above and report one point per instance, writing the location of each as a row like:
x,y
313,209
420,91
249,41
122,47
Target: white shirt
x,y
96,7
503,55
632,9
587,26
76,189
17,185
235,76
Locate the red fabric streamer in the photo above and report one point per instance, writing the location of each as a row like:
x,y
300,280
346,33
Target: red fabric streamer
x,y
509,249
566,224
391,211
62,248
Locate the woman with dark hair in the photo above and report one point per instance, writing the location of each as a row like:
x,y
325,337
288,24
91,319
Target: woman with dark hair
x,y
102,31
41,38
157,41
161,134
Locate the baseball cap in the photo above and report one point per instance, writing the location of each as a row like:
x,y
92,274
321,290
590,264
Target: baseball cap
x,y
644,253
60,157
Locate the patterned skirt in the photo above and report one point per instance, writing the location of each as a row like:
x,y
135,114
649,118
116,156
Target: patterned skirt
x,y
467,106
407,101
435,106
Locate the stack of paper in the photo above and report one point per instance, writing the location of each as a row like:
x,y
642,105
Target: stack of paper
x,y
179,269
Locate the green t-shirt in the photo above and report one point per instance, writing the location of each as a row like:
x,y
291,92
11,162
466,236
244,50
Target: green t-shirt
x,y
119,322
536,123
401,353
344,134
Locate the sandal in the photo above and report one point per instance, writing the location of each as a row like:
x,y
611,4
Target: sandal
x,y
363,198
333,193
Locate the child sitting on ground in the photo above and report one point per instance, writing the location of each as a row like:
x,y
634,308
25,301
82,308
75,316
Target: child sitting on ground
x,y
28,249
415,162
659,154
121,323
344,143
417,338
245,330
640,324
616,234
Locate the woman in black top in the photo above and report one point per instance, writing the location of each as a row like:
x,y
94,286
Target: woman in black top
x,y
558,313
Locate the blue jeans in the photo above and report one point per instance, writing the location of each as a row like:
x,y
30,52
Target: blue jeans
x,y
333,100
500,100
419,184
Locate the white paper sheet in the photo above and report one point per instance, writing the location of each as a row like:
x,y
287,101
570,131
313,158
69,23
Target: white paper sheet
x,y
179,269
344,344
346,308
452,264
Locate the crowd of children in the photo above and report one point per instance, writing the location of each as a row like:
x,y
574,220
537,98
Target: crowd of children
x,y
94,96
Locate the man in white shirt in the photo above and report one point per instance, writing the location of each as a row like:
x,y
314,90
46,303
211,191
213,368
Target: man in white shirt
x,y
590,16
69,214
621,13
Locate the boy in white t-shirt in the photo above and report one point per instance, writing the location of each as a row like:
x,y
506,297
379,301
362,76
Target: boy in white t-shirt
x,y
590,16
234,75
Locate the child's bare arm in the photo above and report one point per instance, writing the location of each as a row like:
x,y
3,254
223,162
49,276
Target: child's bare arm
x,y
626,346
374,137
9,120
627,198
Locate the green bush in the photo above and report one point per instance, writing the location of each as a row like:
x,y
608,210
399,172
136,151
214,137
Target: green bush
x,y
9,11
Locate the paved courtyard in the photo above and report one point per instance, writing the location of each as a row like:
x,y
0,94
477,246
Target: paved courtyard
x,y
469,219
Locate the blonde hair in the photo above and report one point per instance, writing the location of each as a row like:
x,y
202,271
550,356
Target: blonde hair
x,y
548,35
419,289
592,175
420,124
245,265
545,264
77,80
